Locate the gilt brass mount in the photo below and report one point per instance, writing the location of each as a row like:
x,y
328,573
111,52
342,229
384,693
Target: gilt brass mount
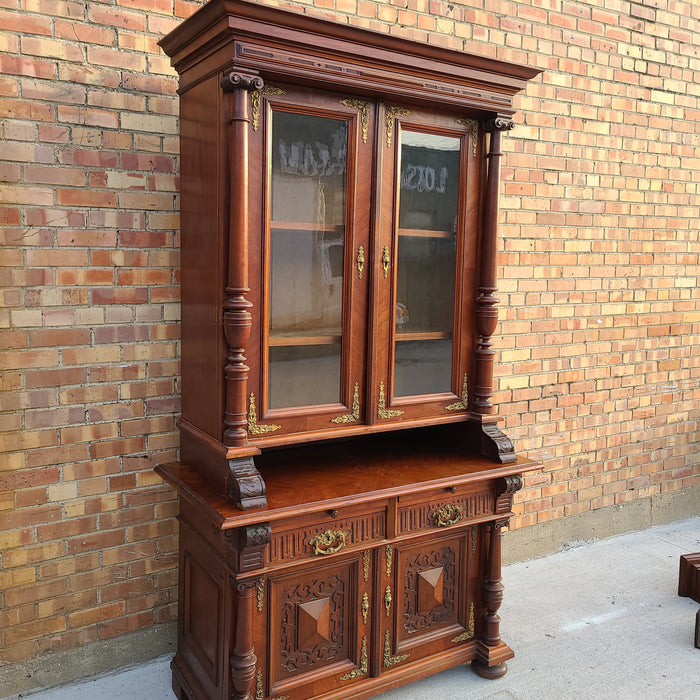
x,y
364,664
253,427
328,542
355,415
448,515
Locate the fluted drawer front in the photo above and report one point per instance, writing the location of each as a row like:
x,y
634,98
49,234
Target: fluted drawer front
x,y
443,509
327,536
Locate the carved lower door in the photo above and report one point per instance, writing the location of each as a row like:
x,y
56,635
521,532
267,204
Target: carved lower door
x,y
318,633
429,597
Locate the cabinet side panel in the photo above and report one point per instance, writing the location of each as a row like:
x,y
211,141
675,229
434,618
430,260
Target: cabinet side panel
x,y
203,354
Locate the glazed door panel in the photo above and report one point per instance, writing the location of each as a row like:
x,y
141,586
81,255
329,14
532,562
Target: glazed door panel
x,y
427,243
312,204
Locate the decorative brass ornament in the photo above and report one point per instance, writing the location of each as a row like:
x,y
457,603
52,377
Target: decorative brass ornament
x,y
364,664
253,427
389,556
260,587
387,600
475,532
355,415
386,261
473,124
255,99
463,404
328,542
390,660
259,691
469,632
391,114
365,564
448,515
382,411
364,114
364,608
360,262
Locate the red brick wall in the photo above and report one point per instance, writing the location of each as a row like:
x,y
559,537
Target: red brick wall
x,y
600,344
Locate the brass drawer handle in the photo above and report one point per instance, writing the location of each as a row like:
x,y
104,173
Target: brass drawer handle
x,y
328,542
447,515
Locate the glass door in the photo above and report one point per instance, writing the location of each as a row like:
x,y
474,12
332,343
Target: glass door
x,y
426,241
428,247
306,254
312,276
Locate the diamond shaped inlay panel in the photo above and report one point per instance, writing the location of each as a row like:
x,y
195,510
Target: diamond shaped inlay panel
x,y
314,622
431,591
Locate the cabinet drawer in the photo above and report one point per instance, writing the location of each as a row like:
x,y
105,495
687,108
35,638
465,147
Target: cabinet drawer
x,y
321,534
441,508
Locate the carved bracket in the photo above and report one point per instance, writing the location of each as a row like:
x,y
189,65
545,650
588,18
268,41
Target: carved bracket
x,y
247,545
245,484
237,79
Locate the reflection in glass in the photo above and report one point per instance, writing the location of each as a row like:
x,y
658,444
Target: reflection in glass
x,y
423,367
306,254
425,266
304,375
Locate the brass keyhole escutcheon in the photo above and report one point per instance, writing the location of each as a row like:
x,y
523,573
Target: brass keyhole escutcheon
x,y
360,262
386,261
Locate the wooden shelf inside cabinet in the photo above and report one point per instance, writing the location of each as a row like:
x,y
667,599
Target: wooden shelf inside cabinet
x,y
424,233
287,338
306,227
404,336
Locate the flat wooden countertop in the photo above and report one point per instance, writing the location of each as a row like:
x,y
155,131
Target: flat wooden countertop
x,y
332,475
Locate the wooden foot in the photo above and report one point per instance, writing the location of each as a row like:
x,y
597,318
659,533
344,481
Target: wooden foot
x,y
489,672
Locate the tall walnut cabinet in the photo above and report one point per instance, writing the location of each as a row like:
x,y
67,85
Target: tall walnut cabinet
x,y
343,482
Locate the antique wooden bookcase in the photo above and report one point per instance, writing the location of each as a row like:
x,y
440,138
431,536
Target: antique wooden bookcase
x,y
343,482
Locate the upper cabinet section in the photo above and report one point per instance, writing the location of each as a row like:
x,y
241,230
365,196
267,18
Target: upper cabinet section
x,y
339,217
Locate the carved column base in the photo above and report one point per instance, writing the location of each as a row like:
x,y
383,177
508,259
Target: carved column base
x,y
489,439
490,662
245,484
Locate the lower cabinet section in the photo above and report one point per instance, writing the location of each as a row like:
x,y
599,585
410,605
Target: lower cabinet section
x,y
352,604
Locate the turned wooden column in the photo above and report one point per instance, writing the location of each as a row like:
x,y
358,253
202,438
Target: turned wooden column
x,y
494,443
243,659
237,319
488,662
491,652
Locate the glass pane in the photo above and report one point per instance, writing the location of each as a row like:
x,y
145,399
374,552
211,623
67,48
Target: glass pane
x,y
423,367
425,284
425,265
306,282
309,159
429,182
307,243
304,375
